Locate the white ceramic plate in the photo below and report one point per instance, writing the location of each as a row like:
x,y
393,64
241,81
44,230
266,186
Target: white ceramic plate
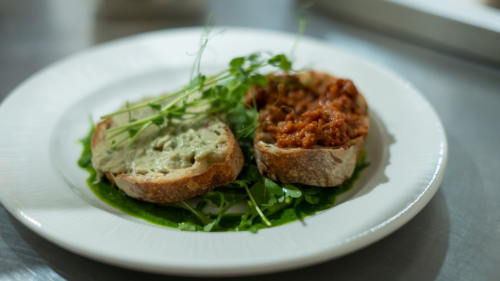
x,y
41,185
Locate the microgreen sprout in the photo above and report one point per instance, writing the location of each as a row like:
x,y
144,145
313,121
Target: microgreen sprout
x,y
221,93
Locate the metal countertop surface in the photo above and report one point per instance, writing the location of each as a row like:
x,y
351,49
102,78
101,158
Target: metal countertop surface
x,y
455,237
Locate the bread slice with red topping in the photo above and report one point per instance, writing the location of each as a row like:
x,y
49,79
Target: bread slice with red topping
x,y
319,165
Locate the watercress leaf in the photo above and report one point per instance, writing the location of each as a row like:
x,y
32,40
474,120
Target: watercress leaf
x,y
258,79
291,191
237,62
265,192
260,194
274,190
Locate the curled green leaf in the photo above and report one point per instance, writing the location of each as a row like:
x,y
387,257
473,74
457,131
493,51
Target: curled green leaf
x,y
236,62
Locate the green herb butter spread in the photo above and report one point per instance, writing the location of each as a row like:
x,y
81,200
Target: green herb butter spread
x,y
175,145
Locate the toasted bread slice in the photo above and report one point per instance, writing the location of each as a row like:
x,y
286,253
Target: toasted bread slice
x,y
320,166
177,184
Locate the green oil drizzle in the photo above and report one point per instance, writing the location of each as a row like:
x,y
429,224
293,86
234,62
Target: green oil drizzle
x,y
171,216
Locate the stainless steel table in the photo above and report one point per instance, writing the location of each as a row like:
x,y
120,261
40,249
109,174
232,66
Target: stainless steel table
x,y
456,237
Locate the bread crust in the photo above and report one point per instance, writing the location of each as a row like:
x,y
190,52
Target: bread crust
x,y
155,188
320,166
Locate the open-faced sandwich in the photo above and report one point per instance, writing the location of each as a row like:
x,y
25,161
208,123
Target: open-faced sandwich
x,y
163,165
313,128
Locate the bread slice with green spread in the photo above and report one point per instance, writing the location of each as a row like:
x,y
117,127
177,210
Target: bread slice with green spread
x,y
181,160
319,165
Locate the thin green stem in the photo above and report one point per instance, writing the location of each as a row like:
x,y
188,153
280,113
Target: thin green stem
x,y
144,104
210,80
163,111
204,219
144,127
116,134
302,26
264,219
113,145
